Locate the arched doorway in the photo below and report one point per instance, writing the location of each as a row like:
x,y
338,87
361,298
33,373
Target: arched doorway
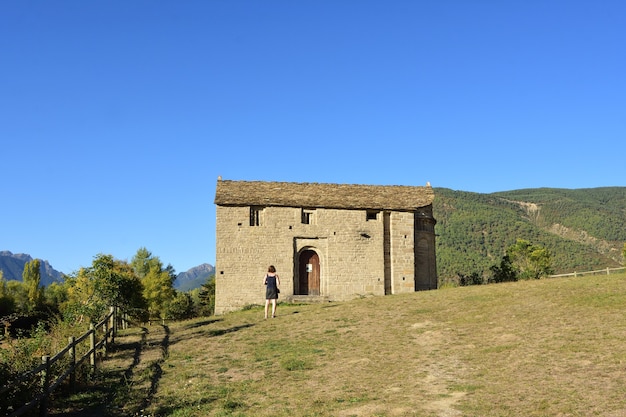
x,y
308,273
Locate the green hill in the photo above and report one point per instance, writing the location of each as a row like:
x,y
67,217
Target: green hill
x,y
584,229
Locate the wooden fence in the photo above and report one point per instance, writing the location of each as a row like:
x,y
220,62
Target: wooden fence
x,y
49,382
606,271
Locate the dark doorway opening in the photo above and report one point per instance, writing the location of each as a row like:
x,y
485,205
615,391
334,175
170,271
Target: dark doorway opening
x,y
308,273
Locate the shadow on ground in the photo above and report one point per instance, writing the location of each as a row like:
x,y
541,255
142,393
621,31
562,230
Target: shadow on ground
x,y
111,392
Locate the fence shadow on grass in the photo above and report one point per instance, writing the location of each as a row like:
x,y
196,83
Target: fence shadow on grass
x,y
156,371
199,330
201,323
115,384
220,332
104,395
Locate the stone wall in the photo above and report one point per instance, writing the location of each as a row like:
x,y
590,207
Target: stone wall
x,y
402,256
359,250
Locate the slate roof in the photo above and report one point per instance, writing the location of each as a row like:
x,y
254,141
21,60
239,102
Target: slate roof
x,y
320,195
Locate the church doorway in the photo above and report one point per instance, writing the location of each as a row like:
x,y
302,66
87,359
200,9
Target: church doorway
x,y
308,273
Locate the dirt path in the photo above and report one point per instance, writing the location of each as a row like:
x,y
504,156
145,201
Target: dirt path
x,y
127,379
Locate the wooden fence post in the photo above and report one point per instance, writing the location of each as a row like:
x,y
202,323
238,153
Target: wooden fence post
x,y
105,341
113,326
92,347
48,381
72,354
45,386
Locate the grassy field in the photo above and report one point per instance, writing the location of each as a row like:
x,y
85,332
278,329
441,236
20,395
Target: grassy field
x,y
554,347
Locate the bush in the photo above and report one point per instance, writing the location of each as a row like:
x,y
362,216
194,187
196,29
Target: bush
x,y
474,278
18,357
181,307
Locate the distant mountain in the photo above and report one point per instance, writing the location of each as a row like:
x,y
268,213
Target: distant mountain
x,y
194,278
12,266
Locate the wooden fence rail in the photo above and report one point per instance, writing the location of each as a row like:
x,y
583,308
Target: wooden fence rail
x,y
108,325
606,271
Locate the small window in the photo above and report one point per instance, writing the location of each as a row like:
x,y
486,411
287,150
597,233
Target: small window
x,y
255,216
308,216
371,215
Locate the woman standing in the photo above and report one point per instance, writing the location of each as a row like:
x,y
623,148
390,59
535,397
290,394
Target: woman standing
x,y
272,283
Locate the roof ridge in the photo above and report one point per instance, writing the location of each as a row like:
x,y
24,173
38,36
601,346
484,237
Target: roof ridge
x,y
323,195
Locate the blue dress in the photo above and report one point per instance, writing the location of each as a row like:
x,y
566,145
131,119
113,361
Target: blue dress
x,y
271,290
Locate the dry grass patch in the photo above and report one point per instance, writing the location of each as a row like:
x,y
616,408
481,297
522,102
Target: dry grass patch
x,y
538,348
353,359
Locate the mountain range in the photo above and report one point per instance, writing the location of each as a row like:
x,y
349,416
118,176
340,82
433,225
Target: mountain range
x,y
194,277
12,266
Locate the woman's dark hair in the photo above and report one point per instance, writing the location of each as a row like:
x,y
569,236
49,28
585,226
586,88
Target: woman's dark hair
x,y
271,269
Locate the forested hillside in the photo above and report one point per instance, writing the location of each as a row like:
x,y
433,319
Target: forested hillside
x,y
583,229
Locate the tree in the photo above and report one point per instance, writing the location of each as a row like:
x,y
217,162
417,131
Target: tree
x,y
107,282
116,283
207,297
475,278
624,253
3,284
180,307
143,261
81,297
31,277
158,290
16,291
7,303
505,272
157,281
531,261
55,295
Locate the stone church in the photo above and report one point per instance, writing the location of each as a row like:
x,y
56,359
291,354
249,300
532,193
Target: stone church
x,y
331,242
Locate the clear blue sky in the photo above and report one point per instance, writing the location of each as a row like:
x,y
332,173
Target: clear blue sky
x,y
116,117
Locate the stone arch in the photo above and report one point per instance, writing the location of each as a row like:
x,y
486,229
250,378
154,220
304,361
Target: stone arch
x,y
308,272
